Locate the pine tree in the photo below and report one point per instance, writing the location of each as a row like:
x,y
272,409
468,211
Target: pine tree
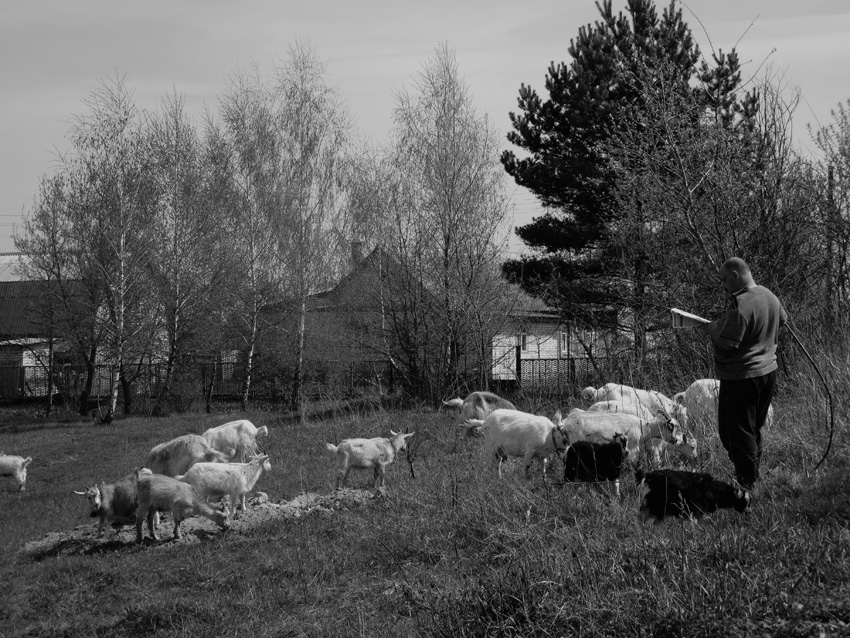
x,y
616,63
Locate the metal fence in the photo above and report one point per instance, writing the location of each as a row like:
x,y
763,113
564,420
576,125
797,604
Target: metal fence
x,y
221,380
558,375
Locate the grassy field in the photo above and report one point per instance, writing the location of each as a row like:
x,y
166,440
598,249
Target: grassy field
x,y
451,552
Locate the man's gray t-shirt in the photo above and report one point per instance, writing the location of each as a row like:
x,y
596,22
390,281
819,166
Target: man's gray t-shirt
x,y
746,346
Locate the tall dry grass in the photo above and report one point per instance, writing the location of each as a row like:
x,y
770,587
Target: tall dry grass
x,y
451,552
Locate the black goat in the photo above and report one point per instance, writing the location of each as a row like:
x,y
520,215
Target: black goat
x,y
594,462
685,494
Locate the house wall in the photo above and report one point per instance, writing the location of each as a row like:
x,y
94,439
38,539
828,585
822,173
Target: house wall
x,y
11,356
541,340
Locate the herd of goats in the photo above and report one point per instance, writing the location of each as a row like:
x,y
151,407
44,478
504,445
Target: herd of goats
x,y
184,475
621,424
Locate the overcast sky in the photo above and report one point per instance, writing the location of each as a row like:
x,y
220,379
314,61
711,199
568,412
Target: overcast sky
x,y
53,52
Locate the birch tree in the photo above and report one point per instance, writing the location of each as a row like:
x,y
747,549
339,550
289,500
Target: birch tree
x,y
243,153
110,212
288,137
312,130
89,235
446,222
189,257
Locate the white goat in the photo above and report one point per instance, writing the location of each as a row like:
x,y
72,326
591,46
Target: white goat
x,y
234,480
652,400
698,406
599,427
515,433
623,406
178,455
657,449
157,492
363,454
478,405
240,436
661,451
16,467
114,502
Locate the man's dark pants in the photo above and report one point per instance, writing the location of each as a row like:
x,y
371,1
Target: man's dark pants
x,y
741,413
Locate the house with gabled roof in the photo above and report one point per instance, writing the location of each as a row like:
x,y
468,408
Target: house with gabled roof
x,y
532,337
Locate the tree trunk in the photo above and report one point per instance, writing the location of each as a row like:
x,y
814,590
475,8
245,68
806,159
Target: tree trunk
x,y
298,367
90,373
249,361
211,385
127,390
169,372
49,407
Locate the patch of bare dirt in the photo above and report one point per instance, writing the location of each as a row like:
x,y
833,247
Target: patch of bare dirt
x,y
83,540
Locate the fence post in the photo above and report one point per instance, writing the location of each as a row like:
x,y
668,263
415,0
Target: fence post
x,y
519,365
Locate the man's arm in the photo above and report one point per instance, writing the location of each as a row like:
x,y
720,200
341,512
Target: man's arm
x,y
714,330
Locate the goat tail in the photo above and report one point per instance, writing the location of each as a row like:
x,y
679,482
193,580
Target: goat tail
x,y
262,431
454,403
331,447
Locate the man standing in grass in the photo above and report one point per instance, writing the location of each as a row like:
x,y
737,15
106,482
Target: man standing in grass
x,y
745,361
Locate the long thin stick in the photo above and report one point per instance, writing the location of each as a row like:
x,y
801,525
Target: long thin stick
x,y
828,394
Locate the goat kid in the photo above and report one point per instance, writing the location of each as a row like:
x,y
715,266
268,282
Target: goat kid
x,y
364,454
158,492
514,433
16,467
686,494
234,480
660,451
595,462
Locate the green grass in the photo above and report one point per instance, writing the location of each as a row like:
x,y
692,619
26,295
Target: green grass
x,y
451,552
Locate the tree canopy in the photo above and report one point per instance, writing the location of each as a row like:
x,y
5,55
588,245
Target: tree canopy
x,y
619,65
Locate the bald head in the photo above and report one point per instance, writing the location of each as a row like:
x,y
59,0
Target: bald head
x,y
735,263
735,274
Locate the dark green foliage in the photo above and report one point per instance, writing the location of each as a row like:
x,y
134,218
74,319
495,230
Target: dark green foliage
x,y
617,66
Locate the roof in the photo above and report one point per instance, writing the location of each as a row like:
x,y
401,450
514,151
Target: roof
x,y
18,301
357,286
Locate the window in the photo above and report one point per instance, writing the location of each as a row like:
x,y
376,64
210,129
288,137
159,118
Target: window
x,y
522,341
564,344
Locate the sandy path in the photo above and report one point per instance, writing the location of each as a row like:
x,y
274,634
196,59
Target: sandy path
x,y
82,540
